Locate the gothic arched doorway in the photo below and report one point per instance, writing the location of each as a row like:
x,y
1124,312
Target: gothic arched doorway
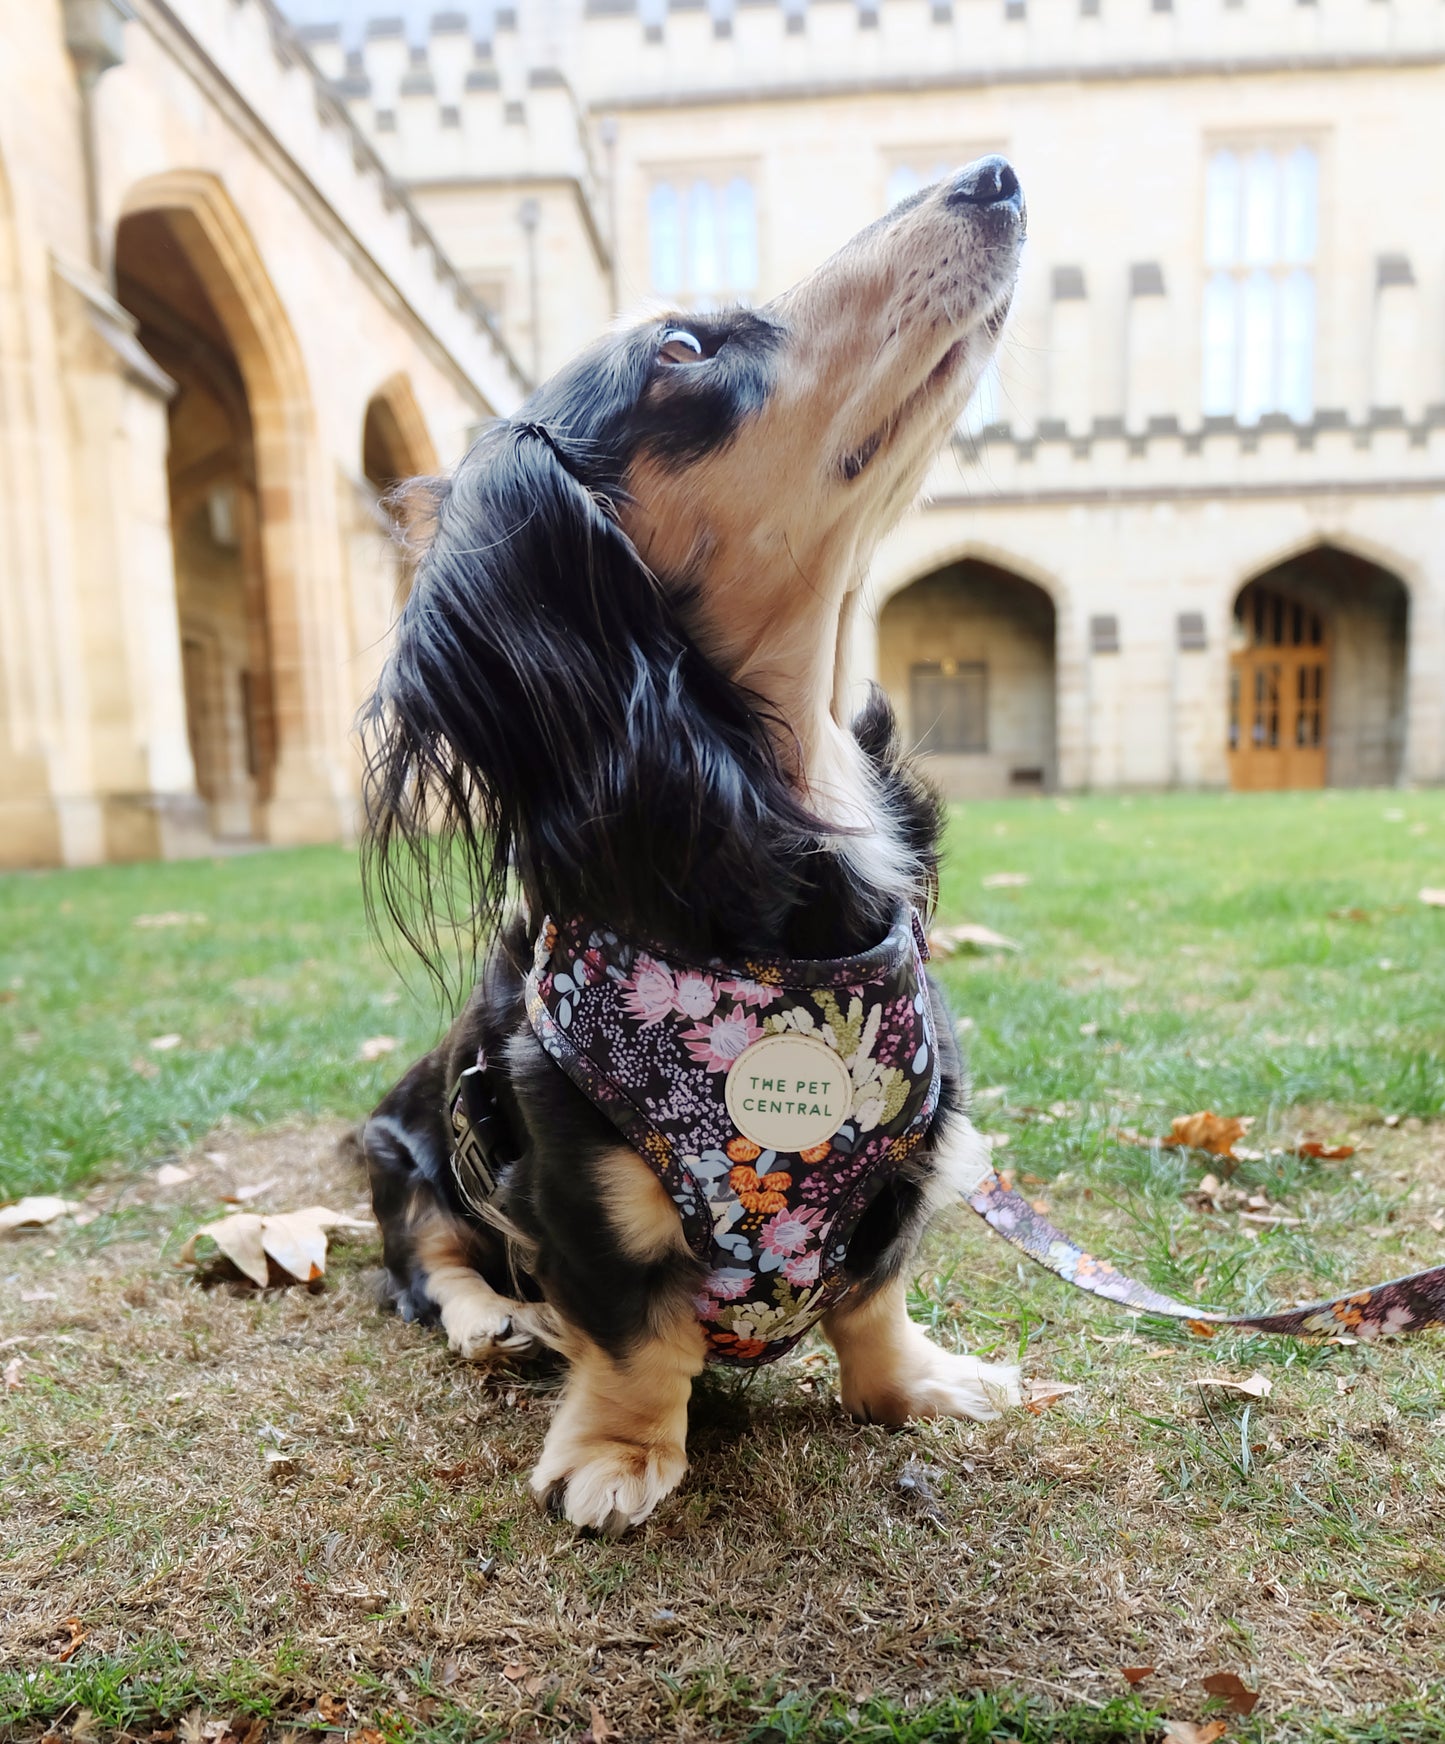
x,y
1317,675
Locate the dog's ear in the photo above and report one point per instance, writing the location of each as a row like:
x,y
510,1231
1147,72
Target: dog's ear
x,y
543,717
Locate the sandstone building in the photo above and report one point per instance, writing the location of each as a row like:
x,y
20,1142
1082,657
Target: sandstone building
x,y
224,328
1192,530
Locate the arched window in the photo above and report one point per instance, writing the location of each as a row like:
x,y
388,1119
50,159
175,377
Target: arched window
x,y
703,239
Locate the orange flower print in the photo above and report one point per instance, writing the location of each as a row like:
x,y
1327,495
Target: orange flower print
x,y
760,1193
743,1150
729,1344
817,1153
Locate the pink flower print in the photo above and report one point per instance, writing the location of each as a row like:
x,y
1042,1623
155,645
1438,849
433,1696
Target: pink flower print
x,y
802,1269
728,1283
649,992
787,1233
696,994
755,993
718,1043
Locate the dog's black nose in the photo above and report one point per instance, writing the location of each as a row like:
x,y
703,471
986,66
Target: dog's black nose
x,y
989,181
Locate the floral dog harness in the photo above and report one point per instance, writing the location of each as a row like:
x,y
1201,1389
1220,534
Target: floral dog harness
x,y
772,1101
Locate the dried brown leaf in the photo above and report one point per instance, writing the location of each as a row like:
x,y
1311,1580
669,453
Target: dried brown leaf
x,y
10,1374
599,1730
1329,1153
1005,880
1256,1387
1207,1131
1193,1731
374,1047
296,1240
1135,1674
34,1210
1042,1394
1231,1690
968,935
1433,898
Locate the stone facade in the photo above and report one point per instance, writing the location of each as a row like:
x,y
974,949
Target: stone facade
x,y
242,276
1270,165
211,291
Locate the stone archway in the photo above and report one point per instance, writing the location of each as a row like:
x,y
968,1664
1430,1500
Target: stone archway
x,y
968,655
189,269
1317,679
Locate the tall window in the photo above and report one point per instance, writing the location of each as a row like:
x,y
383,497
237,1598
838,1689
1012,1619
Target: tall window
x,y
703,239
949,700
907,178
1260,242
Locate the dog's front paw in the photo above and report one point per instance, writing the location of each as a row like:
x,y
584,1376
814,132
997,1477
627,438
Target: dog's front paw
x,y
937,1383
607,1485
481,1330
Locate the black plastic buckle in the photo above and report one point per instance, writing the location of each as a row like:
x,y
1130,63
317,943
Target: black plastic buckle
x,y
481,1138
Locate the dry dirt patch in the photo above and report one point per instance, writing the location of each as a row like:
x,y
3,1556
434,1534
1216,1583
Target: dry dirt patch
x,y
293,1479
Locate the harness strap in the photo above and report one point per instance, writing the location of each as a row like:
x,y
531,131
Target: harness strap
x,y
1403,1305
482,1148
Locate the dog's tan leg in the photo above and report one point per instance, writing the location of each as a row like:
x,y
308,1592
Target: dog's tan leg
x,y
617,1444
479,1323
890,1370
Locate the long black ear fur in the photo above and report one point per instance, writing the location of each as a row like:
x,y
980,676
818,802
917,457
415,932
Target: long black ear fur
x,y
544,718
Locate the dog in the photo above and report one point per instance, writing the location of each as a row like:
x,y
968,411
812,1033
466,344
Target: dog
x,y
606,744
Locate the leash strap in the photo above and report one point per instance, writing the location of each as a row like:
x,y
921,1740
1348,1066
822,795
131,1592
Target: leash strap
x,y
1403,1305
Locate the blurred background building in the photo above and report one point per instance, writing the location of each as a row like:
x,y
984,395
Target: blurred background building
x,y
1192,529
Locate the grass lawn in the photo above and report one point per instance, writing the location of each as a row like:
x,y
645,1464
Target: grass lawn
x,y
389,1578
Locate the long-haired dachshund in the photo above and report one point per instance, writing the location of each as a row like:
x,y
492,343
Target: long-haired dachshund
x,y
704,1094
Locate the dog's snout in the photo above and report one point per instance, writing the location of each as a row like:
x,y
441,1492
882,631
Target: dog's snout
x,y
988,181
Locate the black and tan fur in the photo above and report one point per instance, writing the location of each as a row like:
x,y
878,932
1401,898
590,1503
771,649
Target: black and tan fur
x,y
614,693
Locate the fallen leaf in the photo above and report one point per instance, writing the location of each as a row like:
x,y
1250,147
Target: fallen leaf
x,y
164,1044
599,1730
1346,1383
170,917
1208,1131
331,1708
244,1195
1042,1394
1349,914
10,1374
944,941
168,1175
1227,1686
514,1671
1256,1387
996,1141
1329,1153
451,1671
375,1046
296,1240
35,1210
1005,880
1433,898
37,1296
1193,1731
1135,1674
74,1636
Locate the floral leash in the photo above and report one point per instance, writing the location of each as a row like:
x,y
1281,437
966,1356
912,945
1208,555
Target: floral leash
x,y
1402,1305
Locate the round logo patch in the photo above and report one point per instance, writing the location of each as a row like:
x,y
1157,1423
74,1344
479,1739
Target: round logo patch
x,y
787,1092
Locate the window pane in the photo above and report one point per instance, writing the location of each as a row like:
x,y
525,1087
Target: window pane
x,y
1297,346
742,235
902,181
704,271
1261,208
1299,228
664,231
1257,349
1221,346
1221,210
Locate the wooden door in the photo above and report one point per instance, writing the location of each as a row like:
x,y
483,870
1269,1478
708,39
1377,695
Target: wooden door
x,y
1278,693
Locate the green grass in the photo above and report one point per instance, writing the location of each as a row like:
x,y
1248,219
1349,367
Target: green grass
x,y
1177,953
1194,932
272,991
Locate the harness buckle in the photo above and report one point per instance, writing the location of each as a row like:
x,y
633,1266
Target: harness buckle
x,y
482,1150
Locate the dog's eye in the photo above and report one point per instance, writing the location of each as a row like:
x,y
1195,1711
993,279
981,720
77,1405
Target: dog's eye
x,y
677,345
